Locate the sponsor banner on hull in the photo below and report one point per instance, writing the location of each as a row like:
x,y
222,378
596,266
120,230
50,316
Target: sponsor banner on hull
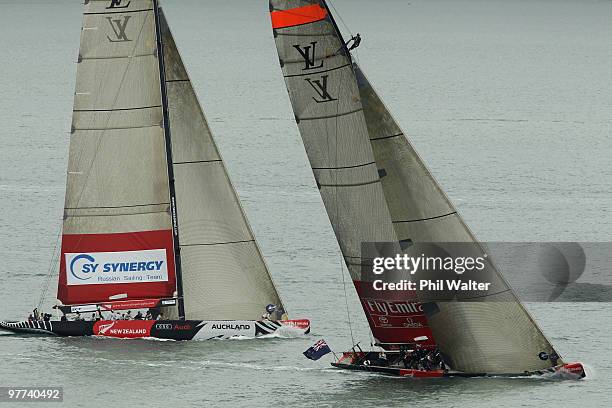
x,y
103,268
161,329
302,324
125,329
98,268
120,305
226,329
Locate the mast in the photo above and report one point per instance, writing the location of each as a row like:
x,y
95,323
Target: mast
x,y
168,139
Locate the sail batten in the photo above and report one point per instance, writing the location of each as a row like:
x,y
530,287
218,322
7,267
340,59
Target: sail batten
x,y
117,110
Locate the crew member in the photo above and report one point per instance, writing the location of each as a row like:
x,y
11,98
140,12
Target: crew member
x,y
382,359
356,39
271,308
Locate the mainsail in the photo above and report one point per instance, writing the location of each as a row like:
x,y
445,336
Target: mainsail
x,y
494,335
143,167
117,223
328,109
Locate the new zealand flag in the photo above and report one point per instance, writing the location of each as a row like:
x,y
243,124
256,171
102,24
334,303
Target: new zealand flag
x,y
318,350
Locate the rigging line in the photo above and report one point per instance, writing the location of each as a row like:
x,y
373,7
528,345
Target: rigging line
x,y
340,17
51,270
348,312
351,55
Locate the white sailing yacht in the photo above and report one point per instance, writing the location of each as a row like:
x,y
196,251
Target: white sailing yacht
x,y
151,221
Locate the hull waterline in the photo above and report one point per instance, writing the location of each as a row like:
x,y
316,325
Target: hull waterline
x,y
163,329
569,371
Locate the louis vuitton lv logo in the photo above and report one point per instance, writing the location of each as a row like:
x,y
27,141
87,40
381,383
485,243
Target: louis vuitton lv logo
x,y
320,86
309,53
119,25
117,4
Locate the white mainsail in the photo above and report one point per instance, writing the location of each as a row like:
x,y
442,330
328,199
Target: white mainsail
x,y
117,193
117,179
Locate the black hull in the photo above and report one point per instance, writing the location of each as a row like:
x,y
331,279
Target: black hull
x,y
161,329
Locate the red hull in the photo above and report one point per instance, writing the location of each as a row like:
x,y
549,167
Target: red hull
x,y
354,361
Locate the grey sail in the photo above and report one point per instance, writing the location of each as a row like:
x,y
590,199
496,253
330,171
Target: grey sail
x,y
494,335
224,275
117,190
117,120
381,191
330,117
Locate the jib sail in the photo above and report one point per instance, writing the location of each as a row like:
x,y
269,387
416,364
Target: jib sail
x,y
376,188
494,334
223,272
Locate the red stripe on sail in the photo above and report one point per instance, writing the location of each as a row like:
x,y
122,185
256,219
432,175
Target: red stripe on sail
x,y
393,316
96,268
297,16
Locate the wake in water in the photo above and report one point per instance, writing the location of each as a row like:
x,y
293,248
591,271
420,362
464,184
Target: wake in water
x,y
257,367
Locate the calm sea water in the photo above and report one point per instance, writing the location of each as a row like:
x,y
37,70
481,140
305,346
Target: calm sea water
x,y
509,102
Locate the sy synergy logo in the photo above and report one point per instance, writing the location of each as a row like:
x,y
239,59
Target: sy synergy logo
x,y
82,266
97,268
